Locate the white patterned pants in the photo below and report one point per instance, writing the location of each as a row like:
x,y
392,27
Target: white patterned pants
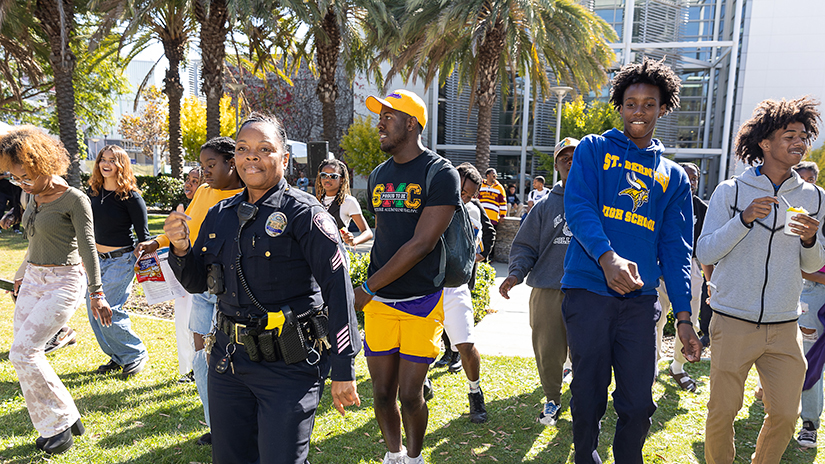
x,y
48,298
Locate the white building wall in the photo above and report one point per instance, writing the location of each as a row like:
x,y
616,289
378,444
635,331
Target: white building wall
x,y
783,55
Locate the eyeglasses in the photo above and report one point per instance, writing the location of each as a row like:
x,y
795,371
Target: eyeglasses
x,y
333,176
19,181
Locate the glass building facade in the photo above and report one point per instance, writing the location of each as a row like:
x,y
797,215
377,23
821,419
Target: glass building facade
x,y
697,38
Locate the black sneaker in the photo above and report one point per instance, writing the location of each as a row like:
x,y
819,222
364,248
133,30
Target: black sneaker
x,y
807,436
205,439
478,413
455,363
445,360
64,337
187,378
134,367
428,389
110,366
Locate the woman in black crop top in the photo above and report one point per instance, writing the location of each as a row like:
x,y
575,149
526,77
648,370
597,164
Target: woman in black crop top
x,y
118,208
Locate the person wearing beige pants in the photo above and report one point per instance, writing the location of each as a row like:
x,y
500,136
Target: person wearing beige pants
x,y
776,349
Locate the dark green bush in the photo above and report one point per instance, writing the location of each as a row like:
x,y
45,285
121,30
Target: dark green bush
x,y
163,192
485,277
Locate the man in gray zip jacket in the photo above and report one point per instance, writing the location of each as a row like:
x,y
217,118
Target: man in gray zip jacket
x,y
757,280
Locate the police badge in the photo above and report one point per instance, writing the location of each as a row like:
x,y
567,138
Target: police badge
x,y
276,224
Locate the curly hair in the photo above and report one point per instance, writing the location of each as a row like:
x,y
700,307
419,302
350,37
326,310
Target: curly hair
x,y
267,119
343,190
126,182
223,145
39,154
647,72
770,116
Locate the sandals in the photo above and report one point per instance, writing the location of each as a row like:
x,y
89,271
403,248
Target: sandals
x,y
683,380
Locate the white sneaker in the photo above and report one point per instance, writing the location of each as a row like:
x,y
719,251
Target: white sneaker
x,y
550,413
396,458
418,460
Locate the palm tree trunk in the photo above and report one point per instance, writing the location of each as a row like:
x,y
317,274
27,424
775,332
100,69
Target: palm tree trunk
x,y
488,56
174,50
57,19
327,52
212,36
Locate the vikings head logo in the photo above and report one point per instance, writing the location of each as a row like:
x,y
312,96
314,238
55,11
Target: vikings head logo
x,y
637,191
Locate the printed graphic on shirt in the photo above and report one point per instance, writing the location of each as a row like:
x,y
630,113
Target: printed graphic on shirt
x,y
403,198
561,219
637,177
637,191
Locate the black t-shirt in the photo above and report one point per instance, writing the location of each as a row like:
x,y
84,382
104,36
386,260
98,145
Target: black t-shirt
x,y
114,218
397,200
700,209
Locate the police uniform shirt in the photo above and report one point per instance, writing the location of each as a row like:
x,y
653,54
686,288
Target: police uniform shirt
x,y
398,198
291,255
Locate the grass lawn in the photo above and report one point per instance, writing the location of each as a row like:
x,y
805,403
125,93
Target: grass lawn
x,y
152,419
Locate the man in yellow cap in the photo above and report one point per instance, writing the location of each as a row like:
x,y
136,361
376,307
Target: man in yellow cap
x,y
402,303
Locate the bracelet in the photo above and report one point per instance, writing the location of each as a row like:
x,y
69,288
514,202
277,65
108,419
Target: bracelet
x,y
366,289
96,295
684,321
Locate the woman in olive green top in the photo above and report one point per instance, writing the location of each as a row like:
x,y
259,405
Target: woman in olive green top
x,y
58,224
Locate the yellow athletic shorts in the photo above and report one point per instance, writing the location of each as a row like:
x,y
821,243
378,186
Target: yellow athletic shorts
x,y
410,328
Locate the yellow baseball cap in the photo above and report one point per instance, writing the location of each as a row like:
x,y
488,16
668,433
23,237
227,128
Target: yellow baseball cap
x,y
403,101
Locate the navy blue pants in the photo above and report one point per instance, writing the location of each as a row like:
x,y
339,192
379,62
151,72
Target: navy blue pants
x,y
606,332
264,412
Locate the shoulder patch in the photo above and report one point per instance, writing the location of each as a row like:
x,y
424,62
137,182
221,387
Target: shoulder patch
x,y
326,224
275,224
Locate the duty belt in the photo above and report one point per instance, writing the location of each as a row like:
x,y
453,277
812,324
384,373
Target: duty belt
x,y
258,343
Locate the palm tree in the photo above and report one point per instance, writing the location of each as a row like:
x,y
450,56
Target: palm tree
x,y
171,23
336,27
213,17
489,42
56,17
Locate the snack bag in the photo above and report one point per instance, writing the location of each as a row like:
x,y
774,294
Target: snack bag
x,y
147,267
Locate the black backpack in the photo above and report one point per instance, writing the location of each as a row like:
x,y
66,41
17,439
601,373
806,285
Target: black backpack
x,y
458,250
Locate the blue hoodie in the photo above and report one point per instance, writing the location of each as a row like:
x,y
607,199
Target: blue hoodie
x,y
638,204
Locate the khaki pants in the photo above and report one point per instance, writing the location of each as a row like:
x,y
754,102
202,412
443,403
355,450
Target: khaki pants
x,y
776,349
549,339
696,281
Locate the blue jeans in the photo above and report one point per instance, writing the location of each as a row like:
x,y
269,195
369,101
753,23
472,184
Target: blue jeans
x,y
200,321
813,297
118,341
606,333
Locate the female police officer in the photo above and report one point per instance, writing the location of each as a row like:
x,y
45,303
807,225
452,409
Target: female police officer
x,y
273,256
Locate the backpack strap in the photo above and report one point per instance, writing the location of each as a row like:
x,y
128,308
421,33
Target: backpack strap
x,y
432,170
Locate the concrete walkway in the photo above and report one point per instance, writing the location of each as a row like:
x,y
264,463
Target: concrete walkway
x,y
506,332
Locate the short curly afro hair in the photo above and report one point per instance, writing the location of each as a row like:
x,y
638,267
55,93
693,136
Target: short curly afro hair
x,y
39,154
770,116
647,72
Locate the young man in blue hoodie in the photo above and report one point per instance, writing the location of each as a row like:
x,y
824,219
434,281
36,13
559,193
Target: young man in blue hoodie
x,y
629,209
757,281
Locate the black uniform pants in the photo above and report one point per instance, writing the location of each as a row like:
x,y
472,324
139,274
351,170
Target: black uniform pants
x,y
264,412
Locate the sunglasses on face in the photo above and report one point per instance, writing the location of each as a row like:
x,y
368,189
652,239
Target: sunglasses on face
x,y
19,181
333,176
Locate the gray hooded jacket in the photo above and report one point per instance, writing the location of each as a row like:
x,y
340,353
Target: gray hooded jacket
x,y
757,276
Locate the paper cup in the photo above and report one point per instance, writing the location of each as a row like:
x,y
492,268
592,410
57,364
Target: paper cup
x,y
790,213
